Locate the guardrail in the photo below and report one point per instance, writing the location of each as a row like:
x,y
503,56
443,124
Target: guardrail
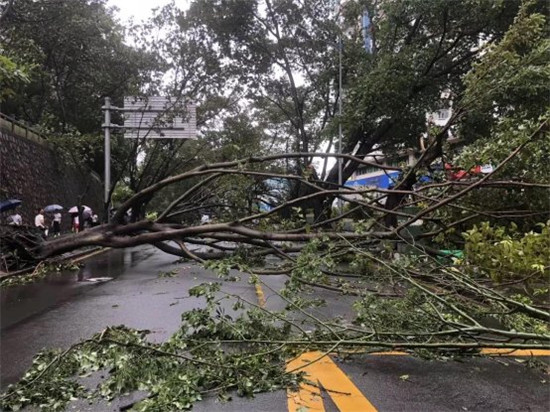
x,y
19,128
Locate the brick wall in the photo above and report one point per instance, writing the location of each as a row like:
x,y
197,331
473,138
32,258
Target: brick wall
x,y
30,170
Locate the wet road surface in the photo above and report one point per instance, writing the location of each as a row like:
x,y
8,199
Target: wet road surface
x,y
22,302
63,309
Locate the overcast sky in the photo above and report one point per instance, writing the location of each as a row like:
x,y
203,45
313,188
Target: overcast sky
x,y
141,9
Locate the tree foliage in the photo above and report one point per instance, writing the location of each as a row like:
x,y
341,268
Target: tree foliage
x,y
504,91
79,56
504,253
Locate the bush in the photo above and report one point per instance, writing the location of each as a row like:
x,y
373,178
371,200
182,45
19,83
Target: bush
x,y
505,253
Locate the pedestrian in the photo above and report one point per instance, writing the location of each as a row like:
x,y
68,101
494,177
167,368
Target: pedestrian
x,y
86,218
56,224
15,219
75,227
39,222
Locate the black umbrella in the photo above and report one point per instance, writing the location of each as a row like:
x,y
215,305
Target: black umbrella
x,y
53,208
9,204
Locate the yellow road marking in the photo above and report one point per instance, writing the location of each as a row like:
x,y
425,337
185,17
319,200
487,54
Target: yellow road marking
x,y
345,395
484,351
260,295
308,397
515,352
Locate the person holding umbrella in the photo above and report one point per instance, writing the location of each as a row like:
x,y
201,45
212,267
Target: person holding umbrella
x,y
75,226
11,204
56,222
86,216
75,223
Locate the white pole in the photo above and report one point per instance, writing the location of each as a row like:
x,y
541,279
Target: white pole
x,y
107,127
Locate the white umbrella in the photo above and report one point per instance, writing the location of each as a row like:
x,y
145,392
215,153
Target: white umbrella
x,y
85,209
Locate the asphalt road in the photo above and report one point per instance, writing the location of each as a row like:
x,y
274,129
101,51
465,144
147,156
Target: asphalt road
x,y
62,310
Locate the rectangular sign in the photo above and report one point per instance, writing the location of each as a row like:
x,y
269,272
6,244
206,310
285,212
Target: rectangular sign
x,y
159,117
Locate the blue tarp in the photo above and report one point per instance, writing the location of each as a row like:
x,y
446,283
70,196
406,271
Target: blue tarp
x,y
382,181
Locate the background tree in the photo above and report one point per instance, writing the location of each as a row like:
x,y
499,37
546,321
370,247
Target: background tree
x,y
514,79
80,57
286,67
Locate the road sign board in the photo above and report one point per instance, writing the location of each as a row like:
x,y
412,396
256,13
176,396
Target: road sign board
x,y
159,117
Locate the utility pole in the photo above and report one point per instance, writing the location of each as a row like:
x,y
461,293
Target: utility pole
x,y
107,129
340,96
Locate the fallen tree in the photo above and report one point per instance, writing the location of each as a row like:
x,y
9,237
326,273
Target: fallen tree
x,y
435,267
417,299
